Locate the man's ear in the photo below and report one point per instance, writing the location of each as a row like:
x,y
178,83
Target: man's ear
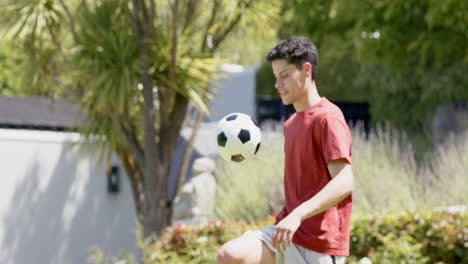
x,y
308,68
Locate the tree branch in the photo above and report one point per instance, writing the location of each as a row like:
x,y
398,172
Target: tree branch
x,y
178,115
214,12
135,20
85,4
218,39
166,93
170,128
170,134
174,36
188,154
57,43
152,13
192,7
71,20
131,139
146,17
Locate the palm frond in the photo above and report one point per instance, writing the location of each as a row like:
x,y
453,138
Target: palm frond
x,y
29,19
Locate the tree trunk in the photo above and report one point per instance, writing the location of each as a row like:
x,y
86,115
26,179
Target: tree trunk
x,y
159,146
142,17
164,206
183,168
151,172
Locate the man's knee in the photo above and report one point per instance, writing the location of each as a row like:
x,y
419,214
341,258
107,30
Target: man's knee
x,y
245,249
228,254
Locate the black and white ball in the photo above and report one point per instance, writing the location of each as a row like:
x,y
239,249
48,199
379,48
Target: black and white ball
x,y
238,137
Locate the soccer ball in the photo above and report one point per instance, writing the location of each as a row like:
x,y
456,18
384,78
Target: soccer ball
x,y
238,137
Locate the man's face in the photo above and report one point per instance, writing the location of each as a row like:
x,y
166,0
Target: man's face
x,y
290,81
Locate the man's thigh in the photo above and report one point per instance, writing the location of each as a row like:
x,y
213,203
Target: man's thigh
x,y
247,248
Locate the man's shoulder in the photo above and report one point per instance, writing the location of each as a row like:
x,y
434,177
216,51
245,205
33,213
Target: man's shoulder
x,y
290,120
328,111
330,108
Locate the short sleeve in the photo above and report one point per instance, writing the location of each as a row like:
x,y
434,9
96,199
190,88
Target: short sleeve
x,y
336,141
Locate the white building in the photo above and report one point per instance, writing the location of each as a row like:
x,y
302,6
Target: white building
x,y
54,203
234,93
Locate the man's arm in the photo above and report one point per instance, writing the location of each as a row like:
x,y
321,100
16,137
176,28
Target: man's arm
x,y
340,186
335,191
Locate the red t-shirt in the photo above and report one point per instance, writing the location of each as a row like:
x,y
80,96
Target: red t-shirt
x,y
313,138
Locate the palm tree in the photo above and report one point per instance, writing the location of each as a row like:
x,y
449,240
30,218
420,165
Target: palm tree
x,y
133,68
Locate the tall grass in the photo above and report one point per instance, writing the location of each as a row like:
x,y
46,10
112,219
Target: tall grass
x,y
449,170
252,189
387,176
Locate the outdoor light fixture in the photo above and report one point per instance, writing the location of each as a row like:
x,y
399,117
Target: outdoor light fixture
x,y
113,179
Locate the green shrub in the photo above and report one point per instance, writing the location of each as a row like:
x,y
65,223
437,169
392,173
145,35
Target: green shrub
x,y
192,244
400,237
411,237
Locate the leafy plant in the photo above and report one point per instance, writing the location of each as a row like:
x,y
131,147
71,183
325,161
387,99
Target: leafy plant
x,y
433,236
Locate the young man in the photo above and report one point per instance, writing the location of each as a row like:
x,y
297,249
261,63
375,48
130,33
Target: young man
x,y
313,227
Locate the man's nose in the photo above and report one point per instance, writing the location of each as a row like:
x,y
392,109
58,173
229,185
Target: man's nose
x,y
278,84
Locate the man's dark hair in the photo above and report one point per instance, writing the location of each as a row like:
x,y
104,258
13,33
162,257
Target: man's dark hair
x,y
296,50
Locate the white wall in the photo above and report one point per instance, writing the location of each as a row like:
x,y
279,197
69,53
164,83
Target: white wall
x,y
54,205
234,93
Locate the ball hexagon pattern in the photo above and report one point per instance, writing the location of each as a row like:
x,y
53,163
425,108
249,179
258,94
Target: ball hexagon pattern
x,y
238,137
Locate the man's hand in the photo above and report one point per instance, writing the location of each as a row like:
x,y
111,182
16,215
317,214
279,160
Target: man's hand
x,y
284,231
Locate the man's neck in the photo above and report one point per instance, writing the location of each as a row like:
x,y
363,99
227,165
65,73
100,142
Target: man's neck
x,y
311,99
